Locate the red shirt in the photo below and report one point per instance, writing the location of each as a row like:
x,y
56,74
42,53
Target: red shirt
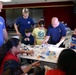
x,y
9,56
55,72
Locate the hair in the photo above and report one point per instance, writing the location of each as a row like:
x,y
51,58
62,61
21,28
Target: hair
x,y
67,62
28,30
42,17
38,70
7,46
41,22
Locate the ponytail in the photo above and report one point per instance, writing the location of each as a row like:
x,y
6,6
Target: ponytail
x,y
7,46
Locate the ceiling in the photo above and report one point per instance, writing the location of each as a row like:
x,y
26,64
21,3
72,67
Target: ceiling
x,y
31,1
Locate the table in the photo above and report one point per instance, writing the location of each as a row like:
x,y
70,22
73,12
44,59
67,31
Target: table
x,y
38,49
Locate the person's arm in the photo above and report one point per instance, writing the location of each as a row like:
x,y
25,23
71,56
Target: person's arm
x,y
63,35
33,24
17,31
26,39
26,51
34,35
25,70
46,39
5,34
62,39
60,42
72,44
35,43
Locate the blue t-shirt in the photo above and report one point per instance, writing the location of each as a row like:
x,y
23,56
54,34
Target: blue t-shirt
x,y
24,24
31,42
2,26
73,40
56,33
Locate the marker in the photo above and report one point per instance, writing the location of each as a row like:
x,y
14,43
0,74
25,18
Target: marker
x,y
42,57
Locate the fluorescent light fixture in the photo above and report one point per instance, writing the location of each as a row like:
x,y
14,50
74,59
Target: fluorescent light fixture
x,y
6,0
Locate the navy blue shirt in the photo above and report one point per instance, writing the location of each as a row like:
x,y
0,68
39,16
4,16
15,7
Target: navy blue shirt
x,y
31,42
24,24
56,33
73,40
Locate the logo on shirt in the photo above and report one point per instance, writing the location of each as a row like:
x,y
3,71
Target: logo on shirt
x,y
41,35
28,22
1,23
59,30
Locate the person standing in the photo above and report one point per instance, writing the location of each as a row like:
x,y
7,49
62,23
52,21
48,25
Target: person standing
x,y
23,22
56,32
3,31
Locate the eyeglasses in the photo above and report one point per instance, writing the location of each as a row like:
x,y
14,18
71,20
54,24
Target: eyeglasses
x,y
41,25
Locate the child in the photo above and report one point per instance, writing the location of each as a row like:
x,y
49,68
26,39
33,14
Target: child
x,y
73,40
28,39
39,33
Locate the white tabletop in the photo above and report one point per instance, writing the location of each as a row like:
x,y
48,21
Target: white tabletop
x,y
38,51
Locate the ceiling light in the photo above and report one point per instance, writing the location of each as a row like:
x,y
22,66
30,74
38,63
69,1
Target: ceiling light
x,y
6,0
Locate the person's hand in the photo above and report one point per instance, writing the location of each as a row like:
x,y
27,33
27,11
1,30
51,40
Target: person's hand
x,y
18,33
71,44
37,63
25,39
57,45
28,39
30,52
43,42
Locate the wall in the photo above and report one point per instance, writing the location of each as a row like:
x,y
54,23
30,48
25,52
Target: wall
x,y
37,14
63,10
13,14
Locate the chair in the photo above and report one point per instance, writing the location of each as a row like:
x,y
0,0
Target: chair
x,y
67,41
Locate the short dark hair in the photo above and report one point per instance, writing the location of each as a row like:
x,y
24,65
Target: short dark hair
x,y
67,61
29,30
